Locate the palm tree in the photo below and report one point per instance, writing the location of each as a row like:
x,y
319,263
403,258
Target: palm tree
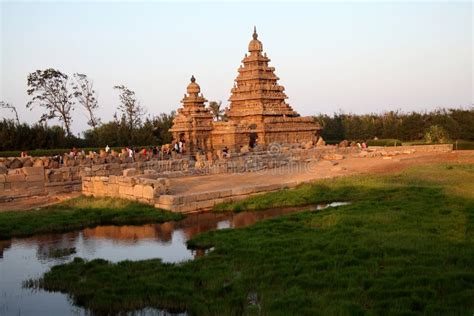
x,y
216,110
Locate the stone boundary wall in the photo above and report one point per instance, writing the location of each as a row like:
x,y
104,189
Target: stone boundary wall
x,y
128,186
37,180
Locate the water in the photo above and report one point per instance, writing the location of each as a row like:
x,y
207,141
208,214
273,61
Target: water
x,y
22,259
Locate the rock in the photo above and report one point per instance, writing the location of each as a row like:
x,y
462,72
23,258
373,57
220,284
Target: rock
x,y
200,164
70,162
308,145
220,154
320,142
15,164
3,169
130,172
38,163
363,154
244,149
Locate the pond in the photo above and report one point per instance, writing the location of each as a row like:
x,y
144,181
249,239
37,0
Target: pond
x,y
25,258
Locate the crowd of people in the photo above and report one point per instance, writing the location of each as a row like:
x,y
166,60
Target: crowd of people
x,y
134,153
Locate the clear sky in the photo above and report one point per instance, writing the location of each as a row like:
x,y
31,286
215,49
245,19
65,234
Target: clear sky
x,y
356,57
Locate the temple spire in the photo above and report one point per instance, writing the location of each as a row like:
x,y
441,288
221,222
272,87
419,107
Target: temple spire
x,y
255,35
193,79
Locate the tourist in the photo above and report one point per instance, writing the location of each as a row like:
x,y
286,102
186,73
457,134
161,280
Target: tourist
x,y
107,149
364,145
225,151
130,153
73,153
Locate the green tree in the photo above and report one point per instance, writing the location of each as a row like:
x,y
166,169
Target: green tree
x,y
436,134
49,90
84,92
216,110
132,111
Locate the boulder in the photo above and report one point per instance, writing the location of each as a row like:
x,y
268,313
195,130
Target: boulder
x,y
15,164
38,163
130,172
244,149
308,145
200,164
3,169
320,142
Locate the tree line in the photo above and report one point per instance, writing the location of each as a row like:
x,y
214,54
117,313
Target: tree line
x,y
455,123
59,95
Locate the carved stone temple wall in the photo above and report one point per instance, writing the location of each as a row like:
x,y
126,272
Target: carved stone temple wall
x,y
258,113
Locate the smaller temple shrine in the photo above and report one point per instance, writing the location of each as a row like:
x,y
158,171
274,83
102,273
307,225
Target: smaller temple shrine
x,y
193,123
258,113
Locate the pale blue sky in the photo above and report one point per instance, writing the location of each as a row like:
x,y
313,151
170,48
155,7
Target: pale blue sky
x,y
356,56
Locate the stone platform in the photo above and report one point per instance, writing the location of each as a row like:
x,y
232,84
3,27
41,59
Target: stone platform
x,y
200,193
187,186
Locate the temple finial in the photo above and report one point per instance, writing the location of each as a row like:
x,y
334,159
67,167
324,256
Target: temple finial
x,y
255,35
193,79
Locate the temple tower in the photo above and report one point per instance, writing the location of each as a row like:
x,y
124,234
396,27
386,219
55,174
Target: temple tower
x,y
257,92
258,106
258,113
193,123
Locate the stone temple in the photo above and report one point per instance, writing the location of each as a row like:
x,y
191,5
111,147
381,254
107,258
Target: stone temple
x,y
257,115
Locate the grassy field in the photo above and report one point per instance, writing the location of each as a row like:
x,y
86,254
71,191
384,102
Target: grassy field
x,y
404,246
79,213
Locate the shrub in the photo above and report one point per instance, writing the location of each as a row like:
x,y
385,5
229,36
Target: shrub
x,y
436,134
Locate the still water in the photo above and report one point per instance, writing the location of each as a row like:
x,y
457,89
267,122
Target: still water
x,y
25,258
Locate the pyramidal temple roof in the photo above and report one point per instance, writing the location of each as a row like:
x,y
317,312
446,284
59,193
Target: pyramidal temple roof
x,y
256,90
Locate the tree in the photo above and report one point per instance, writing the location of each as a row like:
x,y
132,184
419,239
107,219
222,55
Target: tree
x,y
161,126
216,110
131,109
49,90
436,134
8,106
84,92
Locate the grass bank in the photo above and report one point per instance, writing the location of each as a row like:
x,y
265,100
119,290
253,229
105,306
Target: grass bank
x,y
79,213
405,246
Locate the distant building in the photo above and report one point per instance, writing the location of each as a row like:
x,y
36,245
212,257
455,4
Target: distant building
x,y
258,113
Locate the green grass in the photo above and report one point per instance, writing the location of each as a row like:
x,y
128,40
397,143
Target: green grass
x,y
384,142
461,144
404,246
79,213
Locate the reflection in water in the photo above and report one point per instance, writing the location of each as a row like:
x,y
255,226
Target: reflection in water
x,y
21,259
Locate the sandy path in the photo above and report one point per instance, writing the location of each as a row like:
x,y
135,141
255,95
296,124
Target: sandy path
x,y
315,170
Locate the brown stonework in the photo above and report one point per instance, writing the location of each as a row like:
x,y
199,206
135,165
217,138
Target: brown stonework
x,y
258,113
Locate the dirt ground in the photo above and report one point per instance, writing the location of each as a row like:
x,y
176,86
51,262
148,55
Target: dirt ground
x,y
316,170
307,172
